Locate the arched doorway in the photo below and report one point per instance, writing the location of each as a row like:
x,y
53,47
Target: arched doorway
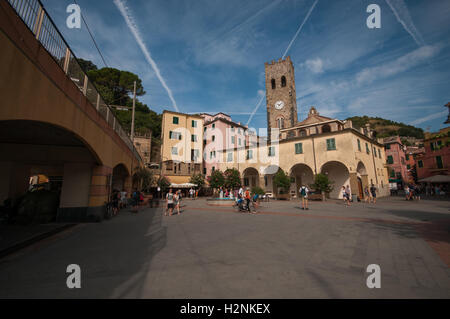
x,y
302,175
337,173
250,177
269,174
119,176
362,178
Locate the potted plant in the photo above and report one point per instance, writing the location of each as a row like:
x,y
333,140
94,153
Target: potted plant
x,y
322,184
283,183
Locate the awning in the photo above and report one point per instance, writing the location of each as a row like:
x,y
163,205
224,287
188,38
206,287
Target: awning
x,y
436,179
184,185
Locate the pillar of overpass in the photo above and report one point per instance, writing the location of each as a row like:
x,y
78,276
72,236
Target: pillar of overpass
x,y
14,181
75,192
99,190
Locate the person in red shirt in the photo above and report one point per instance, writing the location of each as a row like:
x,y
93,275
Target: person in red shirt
x,y
247,199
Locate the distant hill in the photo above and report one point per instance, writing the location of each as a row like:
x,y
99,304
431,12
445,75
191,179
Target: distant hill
x,y
385,128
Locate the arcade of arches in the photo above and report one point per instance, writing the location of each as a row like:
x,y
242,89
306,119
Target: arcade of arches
x,y
302,174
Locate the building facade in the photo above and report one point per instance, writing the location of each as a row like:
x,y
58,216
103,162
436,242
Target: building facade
x,y
220,133
348,156
396,160
436,158
143,144
181,147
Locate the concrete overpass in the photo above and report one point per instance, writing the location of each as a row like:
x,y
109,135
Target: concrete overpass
x,y
52,119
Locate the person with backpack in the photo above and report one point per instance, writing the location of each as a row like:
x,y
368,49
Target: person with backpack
x,y
304,195
255,202
135,199
169,202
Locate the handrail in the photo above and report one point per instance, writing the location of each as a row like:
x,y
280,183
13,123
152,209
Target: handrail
x,y
38,21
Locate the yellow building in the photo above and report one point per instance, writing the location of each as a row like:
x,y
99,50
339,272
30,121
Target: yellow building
x,y
143,144
348,156
181,147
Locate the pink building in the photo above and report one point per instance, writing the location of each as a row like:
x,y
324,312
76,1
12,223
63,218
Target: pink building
x,y
435,160
220,134
396,160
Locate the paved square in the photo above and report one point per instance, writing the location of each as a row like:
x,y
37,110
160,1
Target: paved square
x,y
214,252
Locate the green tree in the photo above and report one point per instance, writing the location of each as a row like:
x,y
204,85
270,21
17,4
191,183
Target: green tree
x,y
232,178
86,65
281,180
197,179
217,179
115,85
257,190
163,183
322,184
144,178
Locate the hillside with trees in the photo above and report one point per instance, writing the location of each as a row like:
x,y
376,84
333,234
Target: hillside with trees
x,y
116,88
385,128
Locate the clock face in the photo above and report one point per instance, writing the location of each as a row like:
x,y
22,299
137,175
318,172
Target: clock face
x,y
279,105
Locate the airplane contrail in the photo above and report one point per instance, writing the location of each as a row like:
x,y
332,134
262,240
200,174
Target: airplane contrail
x,y
131,23
300,28
285,52
401,12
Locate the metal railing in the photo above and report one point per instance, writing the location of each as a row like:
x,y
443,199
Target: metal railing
x,y
38,21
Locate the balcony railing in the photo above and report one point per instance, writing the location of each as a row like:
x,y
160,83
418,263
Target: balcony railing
x,y
38,21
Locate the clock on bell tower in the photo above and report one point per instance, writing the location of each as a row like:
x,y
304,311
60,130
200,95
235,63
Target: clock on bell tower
x,y
280,94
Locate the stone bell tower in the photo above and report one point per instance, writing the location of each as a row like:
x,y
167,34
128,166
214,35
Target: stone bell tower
x,y
280,94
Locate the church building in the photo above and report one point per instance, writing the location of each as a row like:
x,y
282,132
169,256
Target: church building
x,y
318,144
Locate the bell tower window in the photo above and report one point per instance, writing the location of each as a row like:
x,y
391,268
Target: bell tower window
x,y
280,123
283,81
273,84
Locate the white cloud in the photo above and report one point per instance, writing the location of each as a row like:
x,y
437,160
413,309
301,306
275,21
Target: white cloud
x,y
314,65
430,117
399,65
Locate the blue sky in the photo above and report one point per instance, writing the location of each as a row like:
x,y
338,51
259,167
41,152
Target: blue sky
x,y
210,54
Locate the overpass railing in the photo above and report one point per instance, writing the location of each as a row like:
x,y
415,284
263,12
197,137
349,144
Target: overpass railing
x,y
38,21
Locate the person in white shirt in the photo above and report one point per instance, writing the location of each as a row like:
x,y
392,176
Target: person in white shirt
x,y
241,192
303,191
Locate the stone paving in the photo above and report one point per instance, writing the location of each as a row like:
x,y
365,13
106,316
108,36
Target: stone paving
x,y
214,252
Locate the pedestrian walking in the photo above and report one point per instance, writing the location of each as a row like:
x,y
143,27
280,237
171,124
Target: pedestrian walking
x,y
367,197
169,203
255,202
373,191
177,200
247,199
304,196
135,200
344,196
349,194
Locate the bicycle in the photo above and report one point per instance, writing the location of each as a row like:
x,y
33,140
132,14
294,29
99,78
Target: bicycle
x,y
242,207
108,210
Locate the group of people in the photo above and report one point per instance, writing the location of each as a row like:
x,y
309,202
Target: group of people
x,y
244,196
173,201
193,193
370,194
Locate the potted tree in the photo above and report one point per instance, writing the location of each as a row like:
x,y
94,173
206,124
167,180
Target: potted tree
x,y
322,184
283,183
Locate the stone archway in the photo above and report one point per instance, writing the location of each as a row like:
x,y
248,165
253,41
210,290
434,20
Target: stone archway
x,y
119,178
269,173
303,175
338,173
362,179
250,177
